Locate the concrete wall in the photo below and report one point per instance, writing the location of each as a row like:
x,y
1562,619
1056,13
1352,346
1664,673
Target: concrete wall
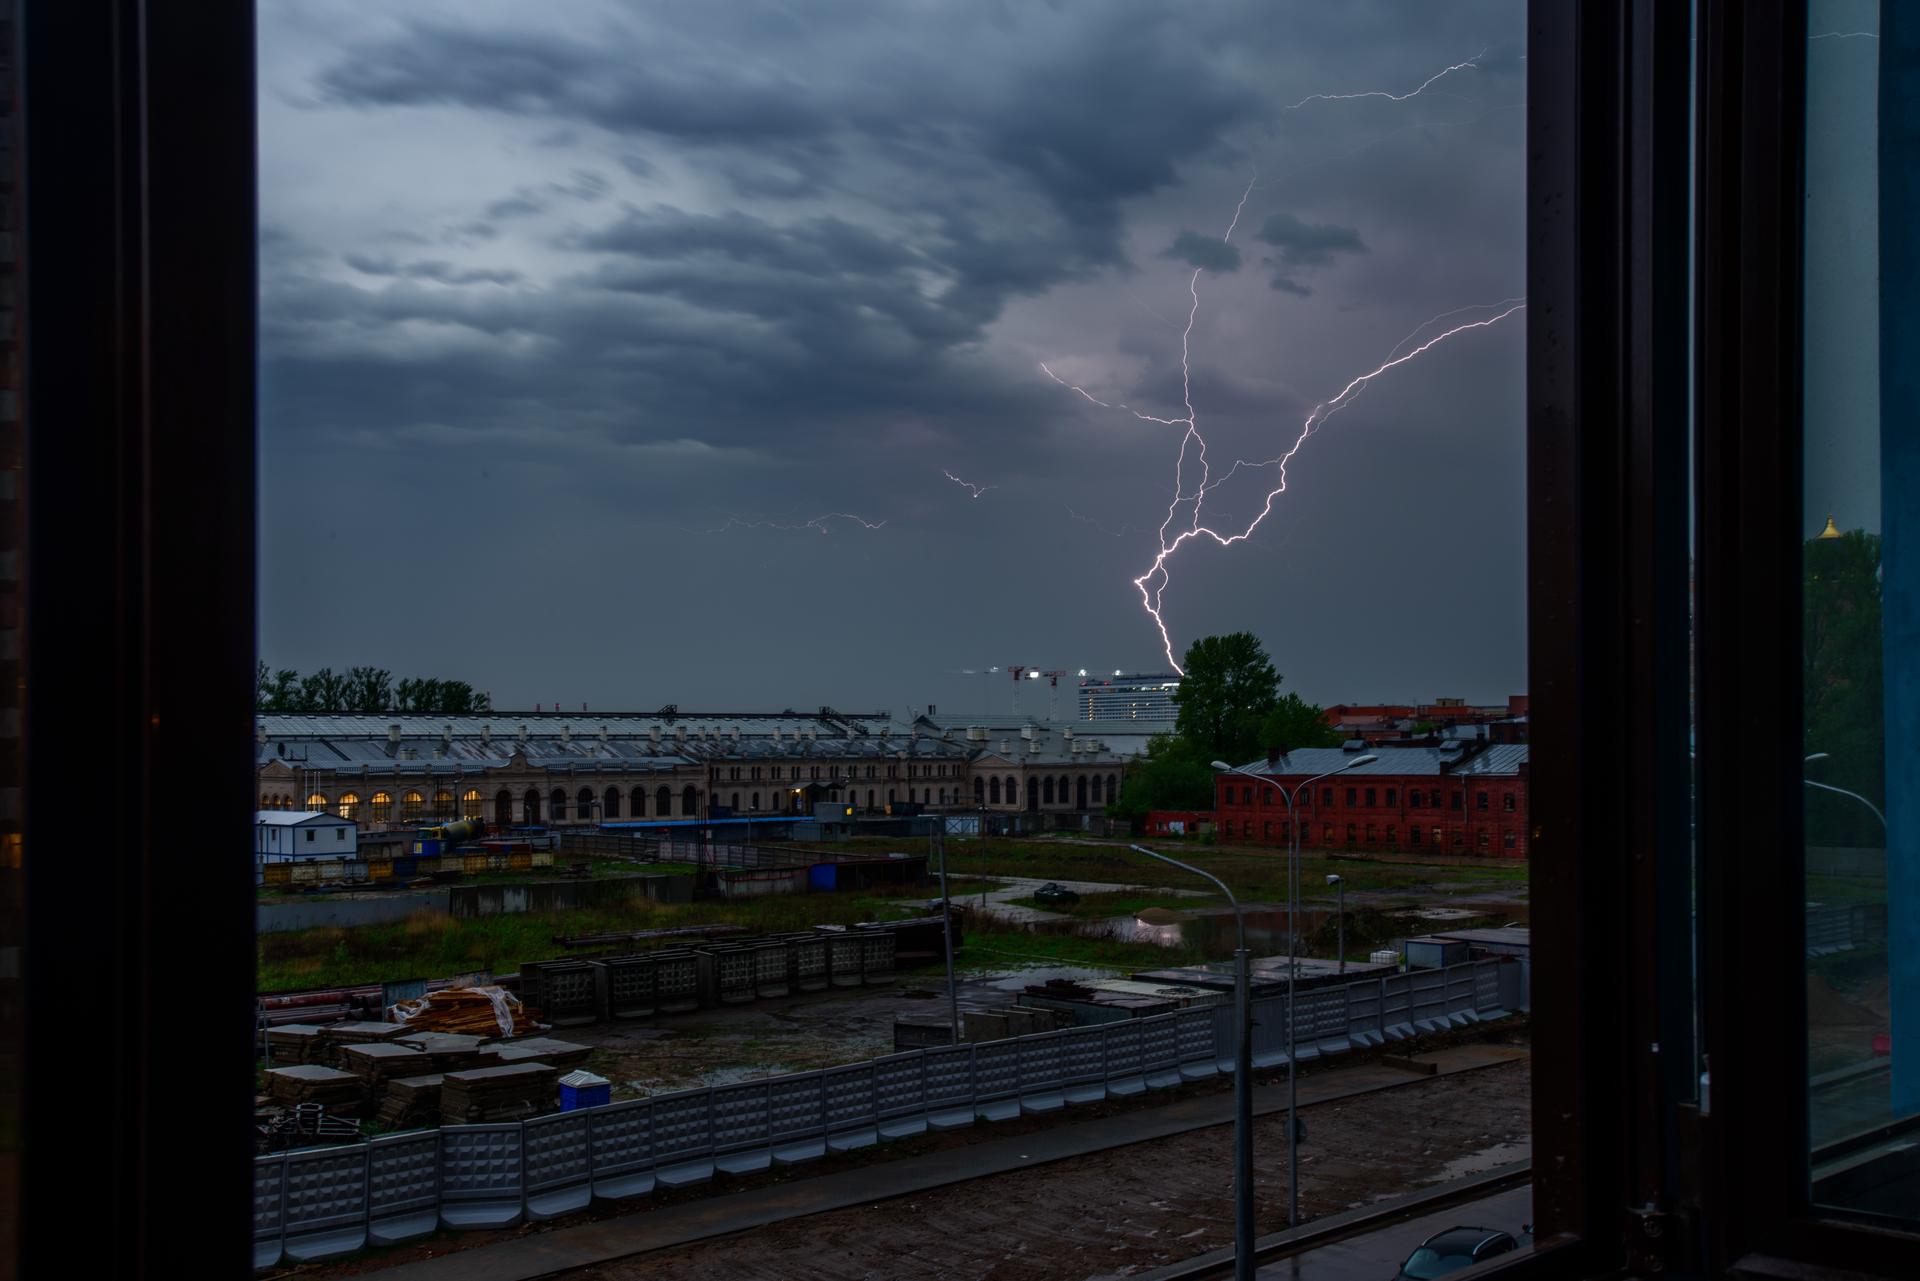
x,y
346,911
469,901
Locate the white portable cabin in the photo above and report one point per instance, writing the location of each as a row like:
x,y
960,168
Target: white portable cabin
x,y
282,836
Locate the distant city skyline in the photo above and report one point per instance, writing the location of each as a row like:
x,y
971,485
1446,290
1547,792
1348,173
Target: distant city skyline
x,y
696,355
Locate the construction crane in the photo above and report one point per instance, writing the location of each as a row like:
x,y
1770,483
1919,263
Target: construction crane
x,y
1034,674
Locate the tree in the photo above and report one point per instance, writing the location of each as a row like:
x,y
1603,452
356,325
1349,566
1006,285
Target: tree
x,y
1294,722
369,689
1229,689
1843,682
1173,775
323,691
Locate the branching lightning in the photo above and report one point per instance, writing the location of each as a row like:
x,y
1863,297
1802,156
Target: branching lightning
x,y
972,489
818,524
1473,62
1845,35
1176,529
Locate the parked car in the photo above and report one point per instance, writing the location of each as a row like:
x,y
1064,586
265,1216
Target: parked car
x,y
1054,892
1456,1248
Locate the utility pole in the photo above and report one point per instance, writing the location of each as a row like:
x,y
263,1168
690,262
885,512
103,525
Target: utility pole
x,y
937,838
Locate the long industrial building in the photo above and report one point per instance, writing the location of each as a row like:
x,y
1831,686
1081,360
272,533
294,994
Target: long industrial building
x,y
543,768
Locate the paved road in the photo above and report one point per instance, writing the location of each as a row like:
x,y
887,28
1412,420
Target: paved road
x,y
1377,1255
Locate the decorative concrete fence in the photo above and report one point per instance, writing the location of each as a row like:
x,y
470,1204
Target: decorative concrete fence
x,y
322,1202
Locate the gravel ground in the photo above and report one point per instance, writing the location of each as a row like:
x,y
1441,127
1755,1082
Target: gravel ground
x,y
1117,1213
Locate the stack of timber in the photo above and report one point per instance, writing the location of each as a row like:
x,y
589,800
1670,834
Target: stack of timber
x,y
339,1092
539,1049
508,1093
448,1051
410,1102
356,1032
378,1064
470,1011
297,1043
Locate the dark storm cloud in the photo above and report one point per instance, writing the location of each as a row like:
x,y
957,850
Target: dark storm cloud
x,y
775,260
444,273
1209,252
1303,244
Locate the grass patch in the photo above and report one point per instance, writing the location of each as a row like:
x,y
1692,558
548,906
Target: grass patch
x,y
433,945
1123,903
1005,949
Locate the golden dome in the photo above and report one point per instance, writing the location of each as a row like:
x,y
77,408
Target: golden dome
x,y
1831,531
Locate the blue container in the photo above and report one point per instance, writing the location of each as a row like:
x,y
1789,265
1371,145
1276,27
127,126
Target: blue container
x,y
582,1089
823,877
406,868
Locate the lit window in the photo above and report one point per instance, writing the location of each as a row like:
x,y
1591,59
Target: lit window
x,y
382,808
443,804
317,802
349,805
470,805
1508,803
410,806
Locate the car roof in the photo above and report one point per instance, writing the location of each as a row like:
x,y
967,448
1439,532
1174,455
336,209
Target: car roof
x,y
1461,1237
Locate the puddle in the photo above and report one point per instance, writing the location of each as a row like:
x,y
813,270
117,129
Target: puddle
x,y
1486,1159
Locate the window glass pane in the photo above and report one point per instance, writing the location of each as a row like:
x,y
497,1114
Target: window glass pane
x,y
1862,586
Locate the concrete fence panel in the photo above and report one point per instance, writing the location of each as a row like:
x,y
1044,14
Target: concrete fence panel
x,y
683,1137
677,982
1366,1013
269,1209
1083,1067
621,1136
851,1118
1160,1051
1042,1072
403,1187
559,1164
1223,1034
947,1071
1396,1006
1461,1005
876,957
1427,999
1194,1033
900,1095
809,962
630,987
1487,996
743,1127
770,965
996,1080
1124,1062
1269,1031
797,1118
1323,1014
846,959
325,1205
480,1176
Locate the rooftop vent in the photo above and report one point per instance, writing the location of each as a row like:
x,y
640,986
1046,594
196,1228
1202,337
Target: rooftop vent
x,y
603,733
976,733
1026,731
776,733
446,737
654,733
1450,746
566,733
486,734
260,734
1354,745
393,732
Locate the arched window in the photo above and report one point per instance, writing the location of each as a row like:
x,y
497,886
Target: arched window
x,y
1080,792
870,801
266,802
610,803
996,792
503,807
1096,789
663,803
979,791
317,802
410,807
733,802
1046,792
1013,791
530,807
470,804
443,804
755,799
586,799
891,796
557,806
349,805
639,799
690,801
382,808
1113,788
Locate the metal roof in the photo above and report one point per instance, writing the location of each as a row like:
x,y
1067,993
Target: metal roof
x,y
294,818
1499,760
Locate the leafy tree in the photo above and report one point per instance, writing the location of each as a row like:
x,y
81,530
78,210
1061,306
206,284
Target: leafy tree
x,y
1228,690
1294,722
362,689
323,691
1842,679
1173,775
369,689
283,695
262,686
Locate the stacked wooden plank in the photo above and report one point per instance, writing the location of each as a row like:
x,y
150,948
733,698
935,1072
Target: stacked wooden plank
x,y
410,1102
297,1043
471,1011
339,1092
510,1092
449,1051
378,1064
537,1049
357,1032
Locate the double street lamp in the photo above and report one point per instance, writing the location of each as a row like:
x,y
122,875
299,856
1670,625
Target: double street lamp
x,y
1293,967
1242,1078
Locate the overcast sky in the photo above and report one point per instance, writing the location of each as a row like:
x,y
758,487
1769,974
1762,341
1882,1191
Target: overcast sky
x,y
588,326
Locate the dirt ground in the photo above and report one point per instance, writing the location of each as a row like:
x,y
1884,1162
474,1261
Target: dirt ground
x,y
1118,1213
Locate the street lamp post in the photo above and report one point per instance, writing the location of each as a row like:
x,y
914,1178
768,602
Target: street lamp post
x,y
1340,917
1828,787
1293,967
1242,1078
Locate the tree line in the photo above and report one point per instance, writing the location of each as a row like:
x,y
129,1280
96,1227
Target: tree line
x,y
1230,708
362,689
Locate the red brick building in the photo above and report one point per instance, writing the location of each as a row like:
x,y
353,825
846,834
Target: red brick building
x,y
1455,798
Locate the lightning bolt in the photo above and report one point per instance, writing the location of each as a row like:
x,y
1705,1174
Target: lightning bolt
x,y
1473,63
1152,584
974,490
818,524
1845,35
